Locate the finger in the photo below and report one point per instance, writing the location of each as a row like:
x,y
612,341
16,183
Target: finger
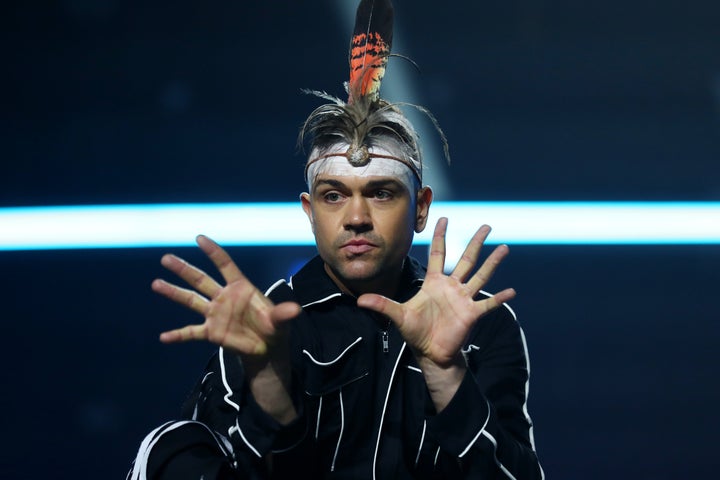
x,y
195,277
384,305
436,260
221,259
185,334
487,269
282,312
266,326
247,336
249,346
470,255
495,301
187,298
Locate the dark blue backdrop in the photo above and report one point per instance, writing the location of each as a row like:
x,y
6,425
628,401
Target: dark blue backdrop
x,y
112,101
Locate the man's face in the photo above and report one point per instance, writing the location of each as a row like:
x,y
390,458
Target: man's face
x,y
363,227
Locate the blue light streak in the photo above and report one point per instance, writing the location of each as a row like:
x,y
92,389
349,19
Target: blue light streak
x,y
266,224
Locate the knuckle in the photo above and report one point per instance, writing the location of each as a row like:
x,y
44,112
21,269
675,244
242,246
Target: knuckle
x,y
214,334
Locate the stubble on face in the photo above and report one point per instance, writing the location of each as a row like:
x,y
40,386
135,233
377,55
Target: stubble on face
x,y
355,262
365,256
365,275
363,262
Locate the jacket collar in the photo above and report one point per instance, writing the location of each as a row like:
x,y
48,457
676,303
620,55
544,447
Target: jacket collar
x,y
312,285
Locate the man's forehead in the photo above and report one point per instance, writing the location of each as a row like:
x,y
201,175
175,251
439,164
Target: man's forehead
x,y
338,167
358,181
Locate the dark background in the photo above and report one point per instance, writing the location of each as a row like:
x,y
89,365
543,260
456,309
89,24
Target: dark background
x,y
112,101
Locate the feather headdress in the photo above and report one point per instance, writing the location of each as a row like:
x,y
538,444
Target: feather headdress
x,y
366,120
369,50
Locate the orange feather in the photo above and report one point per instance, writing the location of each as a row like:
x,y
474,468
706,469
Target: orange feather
x,y
369,49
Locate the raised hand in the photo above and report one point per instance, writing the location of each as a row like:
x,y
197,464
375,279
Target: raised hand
x,y
237,316
437,320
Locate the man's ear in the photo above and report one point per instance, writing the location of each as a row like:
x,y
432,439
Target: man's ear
x,y
424,199
305,201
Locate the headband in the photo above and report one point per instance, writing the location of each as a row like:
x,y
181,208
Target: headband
x,y
376,161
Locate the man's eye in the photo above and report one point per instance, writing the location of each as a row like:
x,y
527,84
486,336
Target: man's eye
x,y
332,197
383,195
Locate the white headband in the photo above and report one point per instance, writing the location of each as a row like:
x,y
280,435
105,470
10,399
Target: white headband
x,y
382,163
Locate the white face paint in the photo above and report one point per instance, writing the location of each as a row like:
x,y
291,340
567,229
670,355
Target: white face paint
x,y
376,167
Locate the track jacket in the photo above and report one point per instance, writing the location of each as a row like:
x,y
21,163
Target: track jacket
x,y
364,409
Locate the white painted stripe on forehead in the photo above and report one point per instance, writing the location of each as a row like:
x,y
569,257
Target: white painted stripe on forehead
x,y
376,167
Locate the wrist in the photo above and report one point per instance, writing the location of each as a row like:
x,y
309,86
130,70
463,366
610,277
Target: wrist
x,y
442,380
270,386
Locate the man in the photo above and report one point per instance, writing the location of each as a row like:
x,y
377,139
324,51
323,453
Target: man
x,y
364,364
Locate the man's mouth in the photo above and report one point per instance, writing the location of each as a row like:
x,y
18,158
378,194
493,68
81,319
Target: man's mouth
x,y
357,246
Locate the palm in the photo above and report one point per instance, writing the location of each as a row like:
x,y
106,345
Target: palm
x,y
237,316
437,320
250,328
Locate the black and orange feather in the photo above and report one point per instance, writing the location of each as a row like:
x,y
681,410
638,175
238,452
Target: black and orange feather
x,y
366,119
369,49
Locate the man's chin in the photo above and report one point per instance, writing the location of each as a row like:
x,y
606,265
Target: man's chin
x,y
359,270
360,276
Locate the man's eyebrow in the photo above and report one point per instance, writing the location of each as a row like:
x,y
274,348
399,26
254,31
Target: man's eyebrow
x,y
327,181
371,184
386,182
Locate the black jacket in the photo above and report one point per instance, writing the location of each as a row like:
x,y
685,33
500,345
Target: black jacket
x,y
364,410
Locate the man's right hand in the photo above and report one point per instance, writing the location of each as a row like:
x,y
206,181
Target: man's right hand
x,y
237,316
240,318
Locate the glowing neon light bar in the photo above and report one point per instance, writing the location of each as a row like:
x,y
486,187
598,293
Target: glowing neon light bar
x,y
259,224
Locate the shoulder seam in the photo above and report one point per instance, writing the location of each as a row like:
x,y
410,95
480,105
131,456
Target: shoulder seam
x,y
274,286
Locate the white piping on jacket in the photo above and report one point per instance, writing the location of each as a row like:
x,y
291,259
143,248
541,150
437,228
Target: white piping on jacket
x,y
527,390
482,429
236,427
323,299
342,428
317,424
527,382
502,467
229,391
422,439
153,437
274,286
317,362
223,375
531,434
382,417
525,401
195,407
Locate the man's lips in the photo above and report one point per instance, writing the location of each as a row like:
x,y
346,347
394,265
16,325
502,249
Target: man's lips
x,y
357,246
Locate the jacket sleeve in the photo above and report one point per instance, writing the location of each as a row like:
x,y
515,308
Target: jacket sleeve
x,y
485,431
219,429
223,401
222,432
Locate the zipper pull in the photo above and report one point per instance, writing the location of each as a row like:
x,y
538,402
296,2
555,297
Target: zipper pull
x,y
385,342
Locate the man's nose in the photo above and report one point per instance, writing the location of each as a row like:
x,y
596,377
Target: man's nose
x,y
357,216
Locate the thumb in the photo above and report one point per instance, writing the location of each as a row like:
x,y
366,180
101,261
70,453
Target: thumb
x,y
283,312
384,305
